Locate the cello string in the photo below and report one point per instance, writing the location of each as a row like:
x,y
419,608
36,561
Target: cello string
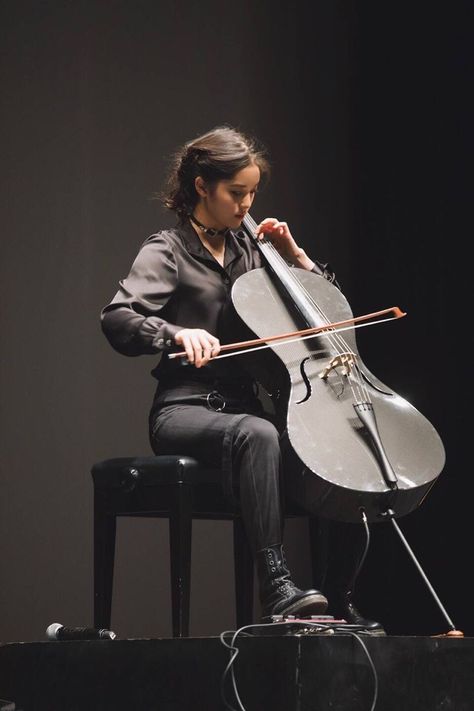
x,y
338,343
266,243
340,347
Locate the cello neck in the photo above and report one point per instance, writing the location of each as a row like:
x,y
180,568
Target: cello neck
x,y
285,276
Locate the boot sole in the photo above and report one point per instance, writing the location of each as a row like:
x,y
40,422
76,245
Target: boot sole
x,y
310,605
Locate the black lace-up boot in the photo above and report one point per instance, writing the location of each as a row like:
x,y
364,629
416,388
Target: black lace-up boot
x,y
278,594
342,607
344,551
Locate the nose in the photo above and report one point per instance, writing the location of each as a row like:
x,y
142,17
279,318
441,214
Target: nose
x,y
246,203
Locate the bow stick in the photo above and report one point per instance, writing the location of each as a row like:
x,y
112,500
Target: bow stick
x,y
283,338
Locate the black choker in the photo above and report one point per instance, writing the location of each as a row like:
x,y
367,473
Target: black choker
x,y
211,231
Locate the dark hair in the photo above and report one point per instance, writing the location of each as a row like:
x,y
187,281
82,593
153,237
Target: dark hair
x,y
216,155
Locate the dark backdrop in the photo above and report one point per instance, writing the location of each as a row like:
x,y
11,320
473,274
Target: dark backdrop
x,y
361,106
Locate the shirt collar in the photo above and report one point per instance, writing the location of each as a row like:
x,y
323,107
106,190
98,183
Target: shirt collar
x,y
195,247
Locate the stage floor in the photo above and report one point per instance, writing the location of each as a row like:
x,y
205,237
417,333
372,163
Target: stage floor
x,y
275,672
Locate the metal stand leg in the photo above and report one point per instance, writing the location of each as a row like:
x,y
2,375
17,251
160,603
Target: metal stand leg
x,y
453,631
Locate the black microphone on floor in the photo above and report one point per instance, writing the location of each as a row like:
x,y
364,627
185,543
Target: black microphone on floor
x,y
57,631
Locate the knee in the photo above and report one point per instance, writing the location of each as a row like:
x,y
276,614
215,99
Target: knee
x,y
257,430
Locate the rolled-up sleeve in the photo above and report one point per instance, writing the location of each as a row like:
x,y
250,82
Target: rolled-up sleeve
x,y
133,321
326,271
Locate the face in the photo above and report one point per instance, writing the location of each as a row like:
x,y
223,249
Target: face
x,y
226,204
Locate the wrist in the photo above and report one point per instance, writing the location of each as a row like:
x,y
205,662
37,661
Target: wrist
x,y
302,260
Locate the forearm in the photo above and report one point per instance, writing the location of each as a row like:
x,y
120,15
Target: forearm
x,y
302,261
132,334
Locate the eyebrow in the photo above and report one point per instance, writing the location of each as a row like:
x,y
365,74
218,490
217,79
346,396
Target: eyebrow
x,y
240,185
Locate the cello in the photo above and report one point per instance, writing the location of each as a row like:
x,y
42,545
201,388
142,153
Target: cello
x,y
357,451
356,445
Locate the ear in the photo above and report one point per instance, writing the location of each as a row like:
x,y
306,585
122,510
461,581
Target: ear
x,y
200,186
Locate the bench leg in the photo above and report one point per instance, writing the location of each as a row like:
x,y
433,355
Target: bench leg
x,y
244,575
104,554
180,528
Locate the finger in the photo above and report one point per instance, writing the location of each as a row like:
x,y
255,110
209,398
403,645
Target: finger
x,y
266,225
187,346
275,230
203,348
197,349
206,349
210,347
280,228
216,347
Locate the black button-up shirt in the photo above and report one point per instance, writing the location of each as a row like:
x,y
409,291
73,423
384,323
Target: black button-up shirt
x,y
176,283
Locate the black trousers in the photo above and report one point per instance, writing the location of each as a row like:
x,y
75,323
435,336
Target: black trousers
x,y
227,428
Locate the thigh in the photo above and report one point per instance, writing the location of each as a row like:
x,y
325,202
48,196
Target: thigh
x,y
192,430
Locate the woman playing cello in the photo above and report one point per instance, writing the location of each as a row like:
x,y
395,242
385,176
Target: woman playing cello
x,y
177,296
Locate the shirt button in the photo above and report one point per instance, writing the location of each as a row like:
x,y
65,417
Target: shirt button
x,y
226,279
